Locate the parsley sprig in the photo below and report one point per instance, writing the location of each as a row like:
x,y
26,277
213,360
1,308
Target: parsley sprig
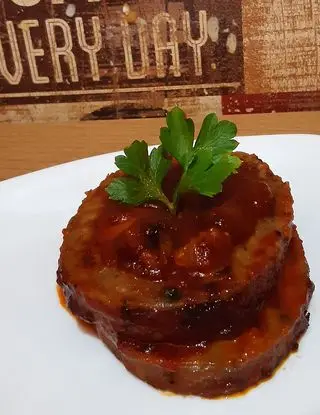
x,y
206,162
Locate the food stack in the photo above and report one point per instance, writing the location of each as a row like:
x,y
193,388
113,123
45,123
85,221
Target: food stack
x,y
206,298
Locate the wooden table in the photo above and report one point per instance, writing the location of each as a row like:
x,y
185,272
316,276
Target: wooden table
x,y
29,147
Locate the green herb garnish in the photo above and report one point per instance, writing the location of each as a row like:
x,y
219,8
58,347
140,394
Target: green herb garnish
x,y
206,162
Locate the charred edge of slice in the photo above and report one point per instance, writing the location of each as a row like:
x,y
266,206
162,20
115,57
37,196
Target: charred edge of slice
x,y
186,324
243,379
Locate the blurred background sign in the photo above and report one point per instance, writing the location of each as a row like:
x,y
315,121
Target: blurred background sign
x,y
97,59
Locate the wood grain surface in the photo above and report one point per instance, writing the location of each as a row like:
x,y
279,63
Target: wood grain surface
x,y
29,147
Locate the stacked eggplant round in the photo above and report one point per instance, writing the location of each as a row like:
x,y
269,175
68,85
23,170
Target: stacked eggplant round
x,y
205,302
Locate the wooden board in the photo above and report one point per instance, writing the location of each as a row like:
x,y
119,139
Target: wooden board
x,y
29,147
101,59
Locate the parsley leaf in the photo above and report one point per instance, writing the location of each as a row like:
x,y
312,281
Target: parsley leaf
x,y
158,165
145,176
177,138
206,162
135,161
216,136
208,180
127,190
204,168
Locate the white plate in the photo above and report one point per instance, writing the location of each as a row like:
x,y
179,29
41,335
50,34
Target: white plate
x,y
49,367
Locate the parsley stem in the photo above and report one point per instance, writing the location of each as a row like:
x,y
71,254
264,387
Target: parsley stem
x,y
171,206
178,190
175,196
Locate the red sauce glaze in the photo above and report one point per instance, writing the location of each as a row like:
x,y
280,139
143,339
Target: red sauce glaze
x,y
154,244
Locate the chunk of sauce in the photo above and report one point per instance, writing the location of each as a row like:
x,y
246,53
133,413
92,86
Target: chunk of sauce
x,y
200,239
